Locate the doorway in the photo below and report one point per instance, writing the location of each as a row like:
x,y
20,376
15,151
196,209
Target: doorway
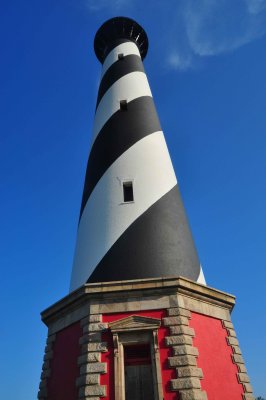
x,y
138,372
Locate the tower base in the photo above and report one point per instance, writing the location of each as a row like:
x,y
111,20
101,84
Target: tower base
x,y
162,339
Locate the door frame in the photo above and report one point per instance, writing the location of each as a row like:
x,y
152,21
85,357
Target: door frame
x,y
136,330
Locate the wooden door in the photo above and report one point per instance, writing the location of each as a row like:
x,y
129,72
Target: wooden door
x,y
138,373
139,382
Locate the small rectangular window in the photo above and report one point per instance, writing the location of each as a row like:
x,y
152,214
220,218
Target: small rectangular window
x,y
128,191
123,105
120,56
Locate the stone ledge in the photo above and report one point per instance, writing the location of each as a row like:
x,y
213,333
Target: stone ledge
x,y
179,320
185,349
192,395
185,383
88,379
182,330
178,312
180,361
79,300
92,391
177,340
98,367
183,372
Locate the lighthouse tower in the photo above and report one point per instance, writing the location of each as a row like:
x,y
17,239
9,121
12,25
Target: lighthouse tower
x,y
132,221
139,321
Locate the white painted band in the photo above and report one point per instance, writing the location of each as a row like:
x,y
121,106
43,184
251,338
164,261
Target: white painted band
x,y
123,48
129,87
105,217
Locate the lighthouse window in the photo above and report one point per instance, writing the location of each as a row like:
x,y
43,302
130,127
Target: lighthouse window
x,y
123,105
128,191
120,56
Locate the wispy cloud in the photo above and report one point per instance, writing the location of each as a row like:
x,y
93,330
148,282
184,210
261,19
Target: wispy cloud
x,y
191,30
256,6
177,61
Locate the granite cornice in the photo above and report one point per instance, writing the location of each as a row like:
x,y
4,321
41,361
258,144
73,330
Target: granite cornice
x,y
140,288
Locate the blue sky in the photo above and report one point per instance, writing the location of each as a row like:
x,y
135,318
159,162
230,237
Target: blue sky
x,y
206,66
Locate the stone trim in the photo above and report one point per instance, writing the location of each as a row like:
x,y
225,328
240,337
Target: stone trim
x,y
184,355
134,323
89,362
94,296
237,359
46,371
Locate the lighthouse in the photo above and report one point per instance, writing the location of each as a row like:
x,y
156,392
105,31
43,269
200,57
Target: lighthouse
x,y
139,321
132,221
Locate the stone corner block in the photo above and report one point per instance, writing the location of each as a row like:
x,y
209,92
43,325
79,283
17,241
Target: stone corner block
x,y
237,359
248,396
48,355
247,387
185,349
42,393
232,341
182,361
89,398
88,379
193,395
181,330
92,391
185,383
95,327
90,337
51,338
227,324
93,368
89,357
171,312
195,372
177,340
242,377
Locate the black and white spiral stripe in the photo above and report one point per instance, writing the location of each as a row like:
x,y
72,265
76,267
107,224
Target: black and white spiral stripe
x,y
150,236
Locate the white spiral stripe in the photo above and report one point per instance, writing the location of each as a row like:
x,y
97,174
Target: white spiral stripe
x,y
127,49
105,217
129,87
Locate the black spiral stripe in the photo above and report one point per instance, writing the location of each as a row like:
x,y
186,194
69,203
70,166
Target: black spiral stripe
x,y
119,133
